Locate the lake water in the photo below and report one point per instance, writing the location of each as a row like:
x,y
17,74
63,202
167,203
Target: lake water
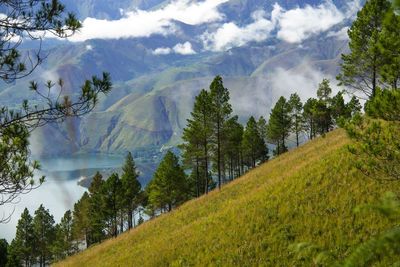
x,y
61,189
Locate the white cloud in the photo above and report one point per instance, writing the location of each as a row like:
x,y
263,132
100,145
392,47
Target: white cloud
x,y
293,26
182,49
141,23
231,35
298,24
162,51
340,35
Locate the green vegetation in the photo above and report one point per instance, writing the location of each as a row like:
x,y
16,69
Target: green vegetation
x,y
374,50
22,20
169,187
306,195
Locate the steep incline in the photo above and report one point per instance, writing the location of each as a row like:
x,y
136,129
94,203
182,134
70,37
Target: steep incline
x,y
306,195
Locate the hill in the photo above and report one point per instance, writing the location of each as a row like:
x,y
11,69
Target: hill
x,y
306,195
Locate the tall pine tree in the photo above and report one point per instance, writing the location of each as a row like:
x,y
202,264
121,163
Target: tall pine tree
x,y
221,111
131,188
168,187
296,114
361,68
44,232
279,125
24,243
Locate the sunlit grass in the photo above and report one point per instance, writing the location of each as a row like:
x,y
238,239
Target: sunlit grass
x,y
306,195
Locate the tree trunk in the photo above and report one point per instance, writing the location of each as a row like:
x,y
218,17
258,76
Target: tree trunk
x,y
219,154
129,219
197,177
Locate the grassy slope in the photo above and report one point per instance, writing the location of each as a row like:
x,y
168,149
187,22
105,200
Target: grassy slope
x,y
306,195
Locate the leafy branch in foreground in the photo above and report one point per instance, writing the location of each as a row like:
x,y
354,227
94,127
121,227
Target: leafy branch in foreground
x,y
30,20
16,168
24,20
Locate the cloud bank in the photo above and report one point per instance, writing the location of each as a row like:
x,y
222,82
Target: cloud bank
x,y
141,23
292,26
230,35
298,24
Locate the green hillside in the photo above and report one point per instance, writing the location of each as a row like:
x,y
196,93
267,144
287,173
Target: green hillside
x,y
306,195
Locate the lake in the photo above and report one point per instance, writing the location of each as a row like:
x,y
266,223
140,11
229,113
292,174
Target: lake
x,y
60,190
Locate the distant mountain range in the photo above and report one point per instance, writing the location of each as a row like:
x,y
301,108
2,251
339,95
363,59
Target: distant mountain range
x,y
156,77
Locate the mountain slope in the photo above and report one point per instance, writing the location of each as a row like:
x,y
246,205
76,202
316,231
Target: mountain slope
x,y
306,195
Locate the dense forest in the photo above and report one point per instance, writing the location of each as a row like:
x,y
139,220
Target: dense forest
x,y
217,149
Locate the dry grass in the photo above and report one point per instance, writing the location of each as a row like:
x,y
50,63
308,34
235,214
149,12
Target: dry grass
x,y
306,195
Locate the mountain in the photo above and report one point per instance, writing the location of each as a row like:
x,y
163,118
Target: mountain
x,y
255,220
153,93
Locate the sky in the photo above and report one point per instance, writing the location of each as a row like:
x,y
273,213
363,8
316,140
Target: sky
x,y
221,34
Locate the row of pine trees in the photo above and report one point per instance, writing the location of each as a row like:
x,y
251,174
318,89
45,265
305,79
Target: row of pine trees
x,y
217,146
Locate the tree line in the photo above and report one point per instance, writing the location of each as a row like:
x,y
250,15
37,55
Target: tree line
x,y
217,145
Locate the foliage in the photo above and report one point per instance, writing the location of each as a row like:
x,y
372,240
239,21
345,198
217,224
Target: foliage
x,y
64,244
197,142
111,203
23,19
95,210
168,188
81,225
221,111
360,69
232,145
389,45
3,252
279,125
131,188
253,145
22,247
377,144
44,235
297,120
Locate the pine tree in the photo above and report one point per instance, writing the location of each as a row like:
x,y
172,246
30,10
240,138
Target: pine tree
x,y
389,46
168,187
221,111
197,141
64,241
192,156
232,146
44,234
361,68
322,109
131,188
254,147
95,212
81,221
13,256
3,252
279,125
24,243
296,113
309,116
111,192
